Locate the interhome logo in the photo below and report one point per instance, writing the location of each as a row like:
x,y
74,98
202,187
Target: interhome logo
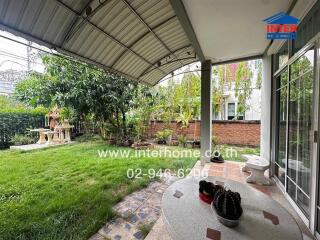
x,y
281,26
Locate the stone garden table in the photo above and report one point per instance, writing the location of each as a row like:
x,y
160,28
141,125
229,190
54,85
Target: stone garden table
x,y
189,218
42,137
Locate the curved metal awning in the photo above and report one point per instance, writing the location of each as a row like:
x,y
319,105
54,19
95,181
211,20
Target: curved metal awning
x,y
145,40
141,40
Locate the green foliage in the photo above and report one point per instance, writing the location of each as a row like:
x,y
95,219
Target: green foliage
x,y
12,123
182,140
225,79
179,102
243,90
88,137
16,118
33,91
259,77
10,105
84,92
187,97
184,118
23,139
163,135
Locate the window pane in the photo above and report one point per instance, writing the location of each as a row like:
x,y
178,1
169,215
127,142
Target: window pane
x,y
293,131
231,111
300,129
280,173
282,94
283,55
305,78
303,202
291,189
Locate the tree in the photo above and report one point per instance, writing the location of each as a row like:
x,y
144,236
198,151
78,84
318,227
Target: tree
x,y
243,90
259,77
89,93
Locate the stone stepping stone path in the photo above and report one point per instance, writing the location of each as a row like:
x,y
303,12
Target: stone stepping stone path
x,y
139,209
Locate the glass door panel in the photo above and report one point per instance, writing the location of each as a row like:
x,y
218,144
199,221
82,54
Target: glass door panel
x,y
300,130
282,98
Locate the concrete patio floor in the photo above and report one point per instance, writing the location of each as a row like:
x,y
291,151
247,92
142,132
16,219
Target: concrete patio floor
x,y
144,207
232,170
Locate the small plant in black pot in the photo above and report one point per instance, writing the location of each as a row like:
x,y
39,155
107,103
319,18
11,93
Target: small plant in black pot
x,y
216,157
207,191
228,207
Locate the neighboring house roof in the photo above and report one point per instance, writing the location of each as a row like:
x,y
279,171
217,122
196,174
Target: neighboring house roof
x,y
281,18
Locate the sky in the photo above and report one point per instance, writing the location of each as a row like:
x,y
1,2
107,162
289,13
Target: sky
x,y
14,55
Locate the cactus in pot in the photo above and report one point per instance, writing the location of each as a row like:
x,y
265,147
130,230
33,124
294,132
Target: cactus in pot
x,y
228,206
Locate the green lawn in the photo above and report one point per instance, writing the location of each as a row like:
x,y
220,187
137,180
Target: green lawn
x,y
234,153
67,192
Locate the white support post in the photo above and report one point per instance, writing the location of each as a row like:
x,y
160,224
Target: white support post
x,y
206,111
265,108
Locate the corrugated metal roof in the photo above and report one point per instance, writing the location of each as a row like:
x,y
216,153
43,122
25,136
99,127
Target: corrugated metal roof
x,y
142,40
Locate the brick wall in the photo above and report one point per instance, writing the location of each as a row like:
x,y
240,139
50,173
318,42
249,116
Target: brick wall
x,y
246,133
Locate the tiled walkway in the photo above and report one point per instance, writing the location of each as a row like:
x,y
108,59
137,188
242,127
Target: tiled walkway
x,y
138,210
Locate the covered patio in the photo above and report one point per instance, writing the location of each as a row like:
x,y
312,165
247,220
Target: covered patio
x,y
232,170
145,41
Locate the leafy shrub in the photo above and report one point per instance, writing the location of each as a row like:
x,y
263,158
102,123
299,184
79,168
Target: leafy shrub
x,y
182,140
162,136
12,123
17,118
87,137
20,139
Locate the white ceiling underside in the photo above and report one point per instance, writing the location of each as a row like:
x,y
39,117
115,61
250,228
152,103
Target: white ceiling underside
x,y
231,29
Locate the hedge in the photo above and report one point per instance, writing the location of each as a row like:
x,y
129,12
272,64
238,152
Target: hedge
x,y
12,123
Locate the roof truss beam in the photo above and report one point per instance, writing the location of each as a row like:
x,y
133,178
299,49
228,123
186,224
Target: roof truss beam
x,y
149,29
142,36
149,68
73,25
63,51
107,34
185,22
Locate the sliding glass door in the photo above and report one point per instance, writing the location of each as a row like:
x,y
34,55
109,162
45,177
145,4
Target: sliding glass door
x,y
294,141
300,130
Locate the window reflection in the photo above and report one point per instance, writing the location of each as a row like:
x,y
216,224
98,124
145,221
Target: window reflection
x,y
300,129
282,94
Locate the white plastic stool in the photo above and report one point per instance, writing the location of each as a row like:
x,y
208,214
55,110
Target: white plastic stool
x,y
257,166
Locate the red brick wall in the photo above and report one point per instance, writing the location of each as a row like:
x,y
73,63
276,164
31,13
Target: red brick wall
x,y
246,133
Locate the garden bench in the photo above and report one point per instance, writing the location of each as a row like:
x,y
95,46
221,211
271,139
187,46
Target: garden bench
x,y
257,166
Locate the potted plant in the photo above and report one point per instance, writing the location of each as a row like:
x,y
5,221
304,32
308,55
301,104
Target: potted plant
x,y
227,205
207,191
160,137
164,137
182,140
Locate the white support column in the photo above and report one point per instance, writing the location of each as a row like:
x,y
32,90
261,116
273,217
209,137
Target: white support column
x,y
206,111
265,108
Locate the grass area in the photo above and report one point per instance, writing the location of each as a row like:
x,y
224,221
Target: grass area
x,y
67,192
234,153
